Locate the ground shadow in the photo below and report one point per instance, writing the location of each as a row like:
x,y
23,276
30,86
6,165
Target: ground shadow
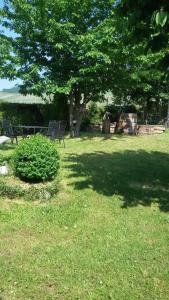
x,y
8,146
92,135
140,177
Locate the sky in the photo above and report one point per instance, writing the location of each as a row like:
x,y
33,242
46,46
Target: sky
x,y
4,83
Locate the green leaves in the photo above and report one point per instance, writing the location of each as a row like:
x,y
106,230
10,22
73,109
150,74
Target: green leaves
x,y
36,159
61,46
161,18
86,47
145,43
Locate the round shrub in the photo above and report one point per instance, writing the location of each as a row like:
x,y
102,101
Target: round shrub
x,y
35,159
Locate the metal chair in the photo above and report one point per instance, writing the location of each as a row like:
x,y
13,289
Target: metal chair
x,y
56,131
60,133
52,124
9,131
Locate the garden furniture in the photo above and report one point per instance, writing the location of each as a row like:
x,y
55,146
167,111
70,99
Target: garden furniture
x,y
27,129
9,131
56,130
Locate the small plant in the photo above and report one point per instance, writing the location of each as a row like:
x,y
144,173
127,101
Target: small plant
x,y
36,159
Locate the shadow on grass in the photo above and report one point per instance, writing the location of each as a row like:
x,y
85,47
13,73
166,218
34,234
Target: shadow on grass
x,y
93,135
7,146
140,177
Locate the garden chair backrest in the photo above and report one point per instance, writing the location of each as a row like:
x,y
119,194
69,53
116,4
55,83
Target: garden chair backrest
x,y
56,129
52,129
52,123
61,126
7,128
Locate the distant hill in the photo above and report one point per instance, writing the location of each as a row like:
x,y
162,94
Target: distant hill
x,y
12,95
13,90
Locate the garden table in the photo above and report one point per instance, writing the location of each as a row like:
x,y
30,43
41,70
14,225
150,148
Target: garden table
x,y
27,127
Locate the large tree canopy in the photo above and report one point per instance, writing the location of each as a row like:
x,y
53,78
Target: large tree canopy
x,y
80,49
145,32
62,47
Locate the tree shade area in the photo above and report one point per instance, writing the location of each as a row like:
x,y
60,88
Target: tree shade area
x,y
76,51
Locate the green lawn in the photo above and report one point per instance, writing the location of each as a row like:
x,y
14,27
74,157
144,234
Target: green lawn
x,y
105,236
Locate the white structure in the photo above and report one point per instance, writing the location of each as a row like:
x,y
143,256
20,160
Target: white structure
x,y
4,139
3,170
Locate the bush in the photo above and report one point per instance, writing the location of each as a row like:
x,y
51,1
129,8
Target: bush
x,y
22,113
94,115
36,159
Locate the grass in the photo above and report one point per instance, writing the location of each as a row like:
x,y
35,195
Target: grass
x,y
105,235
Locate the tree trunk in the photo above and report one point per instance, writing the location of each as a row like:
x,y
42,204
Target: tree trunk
x,y
76,112
145,113
71,118
167,123
78,124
